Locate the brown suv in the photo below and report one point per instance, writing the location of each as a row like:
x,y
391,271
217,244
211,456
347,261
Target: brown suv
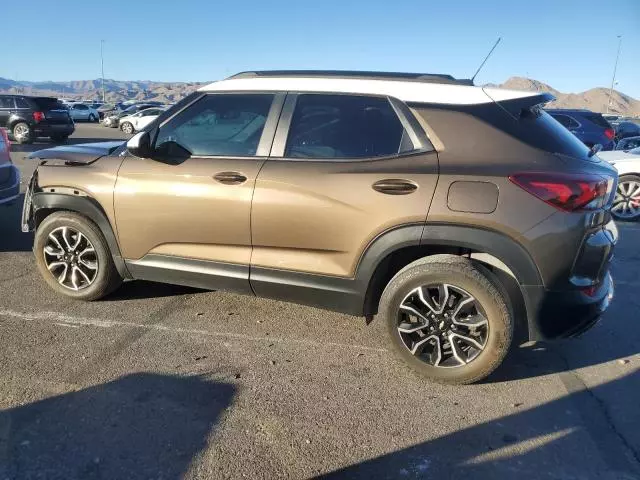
x,y
465,217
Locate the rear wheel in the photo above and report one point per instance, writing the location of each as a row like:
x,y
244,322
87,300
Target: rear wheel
x,y
447,319
22,133
127,128
74,258
626,204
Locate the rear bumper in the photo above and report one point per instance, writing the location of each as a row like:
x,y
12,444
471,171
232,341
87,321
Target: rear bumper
x,y
567,313
43,130
10,189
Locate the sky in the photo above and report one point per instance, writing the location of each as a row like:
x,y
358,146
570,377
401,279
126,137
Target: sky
x,y
568,44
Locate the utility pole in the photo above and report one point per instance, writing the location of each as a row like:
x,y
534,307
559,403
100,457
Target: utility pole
x,y
102,66
615,67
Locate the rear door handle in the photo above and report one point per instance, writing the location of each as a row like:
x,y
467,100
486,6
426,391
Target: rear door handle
x,y
230,178
395,186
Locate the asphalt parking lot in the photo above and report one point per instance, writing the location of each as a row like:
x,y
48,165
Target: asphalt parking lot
x,y
164,382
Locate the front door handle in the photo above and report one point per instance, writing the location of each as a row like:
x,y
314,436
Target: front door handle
x,y
230,178
395,186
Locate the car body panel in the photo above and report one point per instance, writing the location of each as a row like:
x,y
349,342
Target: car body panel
x,y
320,216
194,215
625,162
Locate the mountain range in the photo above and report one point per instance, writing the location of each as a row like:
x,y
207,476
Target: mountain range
x,y
595,99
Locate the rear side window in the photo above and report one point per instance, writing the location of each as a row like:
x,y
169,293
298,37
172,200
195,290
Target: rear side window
x,y
47,103
565,120
22,103
219,125
6,102
597,119
537,128
345,126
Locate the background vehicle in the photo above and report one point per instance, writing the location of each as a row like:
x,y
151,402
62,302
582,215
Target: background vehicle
x,y
133,123
113,120
628,143
327,191
82,111
590,127
626,205
627,129
27,118
9,174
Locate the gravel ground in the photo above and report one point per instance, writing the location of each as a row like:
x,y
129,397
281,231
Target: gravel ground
x,y
164,382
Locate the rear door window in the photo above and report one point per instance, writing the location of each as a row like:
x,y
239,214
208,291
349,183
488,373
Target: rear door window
x,y
7,102
346,127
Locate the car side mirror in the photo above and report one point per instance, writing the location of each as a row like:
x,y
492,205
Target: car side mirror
x,y
140,145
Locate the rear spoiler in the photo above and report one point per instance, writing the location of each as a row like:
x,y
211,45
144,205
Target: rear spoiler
x,y
516,106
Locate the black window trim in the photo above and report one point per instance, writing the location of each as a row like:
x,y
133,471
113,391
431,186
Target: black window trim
x,y
418,137
268,132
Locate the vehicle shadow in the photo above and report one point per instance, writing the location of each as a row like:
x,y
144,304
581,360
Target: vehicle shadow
x,y
142,289
554,440
139,426
11,237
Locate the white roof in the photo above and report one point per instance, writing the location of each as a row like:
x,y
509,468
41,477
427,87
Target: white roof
x,y
407,91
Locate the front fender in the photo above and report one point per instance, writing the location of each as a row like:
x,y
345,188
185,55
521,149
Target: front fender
x,y
43,204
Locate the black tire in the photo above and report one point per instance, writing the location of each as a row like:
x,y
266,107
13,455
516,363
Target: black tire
x,y
630,217
59,138
92,118
127,126
458,272
107,278
22,138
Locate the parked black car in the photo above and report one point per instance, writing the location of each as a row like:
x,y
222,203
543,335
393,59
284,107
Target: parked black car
x,y
27,118
627,129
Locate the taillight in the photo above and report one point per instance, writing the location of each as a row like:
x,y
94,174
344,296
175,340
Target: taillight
x,y
568,192
609,133
38,116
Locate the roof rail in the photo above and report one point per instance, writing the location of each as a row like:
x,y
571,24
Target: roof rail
x,y
365,75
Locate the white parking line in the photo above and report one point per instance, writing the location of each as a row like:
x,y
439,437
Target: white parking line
x,y
69,321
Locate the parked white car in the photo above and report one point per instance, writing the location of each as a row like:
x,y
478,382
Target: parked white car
x,y
133,123
80,111
626,205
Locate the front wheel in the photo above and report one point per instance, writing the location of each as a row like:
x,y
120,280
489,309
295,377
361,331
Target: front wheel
x,y
447,319
92,118
73,257
127,128
626,204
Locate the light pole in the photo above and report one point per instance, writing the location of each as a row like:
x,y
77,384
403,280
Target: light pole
x,y
615,67
102,66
